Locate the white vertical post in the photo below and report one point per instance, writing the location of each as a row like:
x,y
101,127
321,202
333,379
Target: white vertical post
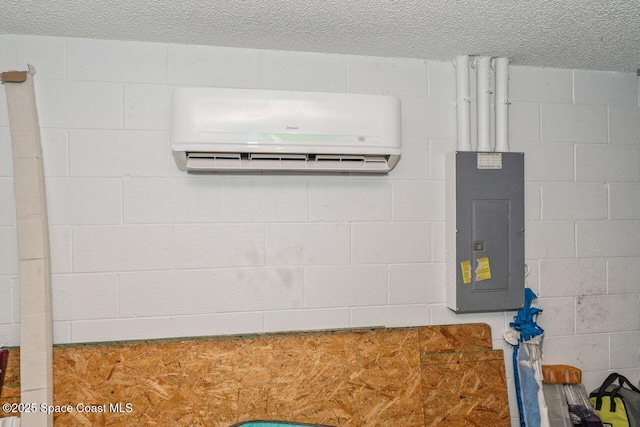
x,y
483,72
462,103
502,104
36,327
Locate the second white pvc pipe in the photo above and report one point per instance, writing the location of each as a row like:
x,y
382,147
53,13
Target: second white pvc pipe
x,y
502,104
483,70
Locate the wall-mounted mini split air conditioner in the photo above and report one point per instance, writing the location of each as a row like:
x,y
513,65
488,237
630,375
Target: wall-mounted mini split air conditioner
x,y
236,129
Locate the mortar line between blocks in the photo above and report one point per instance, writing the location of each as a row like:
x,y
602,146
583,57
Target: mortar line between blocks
x,y
539,122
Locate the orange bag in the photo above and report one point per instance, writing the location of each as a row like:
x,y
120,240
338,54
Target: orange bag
x,y
561,374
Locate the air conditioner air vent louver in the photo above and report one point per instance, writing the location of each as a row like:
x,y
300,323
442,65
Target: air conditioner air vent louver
x,y
285,161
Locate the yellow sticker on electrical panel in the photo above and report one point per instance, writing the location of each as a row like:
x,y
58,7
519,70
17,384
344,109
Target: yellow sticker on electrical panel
x,y
483,271
465,266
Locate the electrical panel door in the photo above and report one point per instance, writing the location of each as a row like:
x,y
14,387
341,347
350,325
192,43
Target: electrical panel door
x,y
485,226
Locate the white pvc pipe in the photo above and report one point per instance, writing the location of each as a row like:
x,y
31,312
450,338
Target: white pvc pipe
x,y
502,104
483,66
462,103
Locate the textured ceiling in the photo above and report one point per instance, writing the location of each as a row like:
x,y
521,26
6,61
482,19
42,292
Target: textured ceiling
x,y
587,34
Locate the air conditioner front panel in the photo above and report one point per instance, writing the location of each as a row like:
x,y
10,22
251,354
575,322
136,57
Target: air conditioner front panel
x,y
271,122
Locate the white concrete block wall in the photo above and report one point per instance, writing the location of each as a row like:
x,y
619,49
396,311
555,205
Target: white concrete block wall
x,y
349,200
73,201
85,296
596,87
60,243
379,243
574,200
387,77
307,244
80,109
212,66
573,123
118,153
416,283
540,85
259,289
624,125
301,320
582,239
218,246
263,199
122,248
608,163
142,250
165,293
116,61
573,276
170,201
302,71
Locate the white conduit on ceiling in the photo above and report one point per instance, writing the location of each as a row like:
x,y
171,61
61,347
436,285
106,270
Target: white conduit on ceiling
x,y
482,65
502,104
483,72
463,103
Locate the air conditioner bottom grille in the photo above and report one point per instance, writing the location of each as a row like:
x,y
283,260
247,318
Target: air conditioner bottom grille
x,y
286,162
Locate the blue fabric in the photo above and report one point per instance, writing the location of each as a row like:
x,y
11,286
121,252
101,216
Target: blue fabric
x,y
516,378
525,320
530,396
525,323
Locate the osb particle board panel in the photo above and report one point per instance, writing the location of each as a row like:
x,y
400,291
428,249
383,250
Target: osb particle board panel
x,y
455,338
341,378
11,388
465,389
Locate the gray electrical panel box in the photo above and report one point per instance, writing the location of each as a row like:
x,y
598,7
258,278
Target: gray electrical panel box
x,y
485,231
